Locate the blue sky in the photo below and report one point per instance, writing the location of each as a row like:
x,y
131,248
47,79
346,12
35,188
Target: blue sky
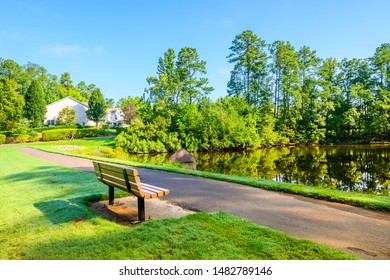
x,y
116,44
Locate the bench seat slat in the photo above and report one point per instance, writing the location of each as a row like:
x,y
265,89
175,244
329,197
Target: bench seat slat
x,y
138,193
150,194
153,192
154,188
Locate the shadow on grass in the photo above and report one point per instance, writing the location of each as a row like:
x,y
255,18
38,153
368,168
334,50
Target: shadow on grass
x,y
61,194
61,211
56,180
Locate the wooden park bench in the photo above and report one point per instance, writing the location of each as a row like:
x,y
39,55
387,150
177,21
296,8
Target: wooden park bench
x,y
127,179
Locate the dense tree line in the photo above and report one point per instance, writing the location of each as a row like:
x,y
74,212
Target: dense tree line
x,y
308,99
26,90
276,94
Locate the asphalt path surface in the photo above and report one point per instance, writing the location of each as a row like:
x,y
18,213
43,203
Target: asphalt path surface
x,y
362,232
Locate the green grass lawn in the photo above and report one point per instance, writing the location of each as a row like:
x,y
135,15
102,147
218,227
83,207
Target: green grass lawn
x,y
45,215
368,201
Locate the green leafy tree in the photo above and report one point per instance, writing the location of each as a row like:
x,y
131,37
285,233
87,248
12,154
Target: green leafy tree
x,y
286,88
381,63
330,95
249,75
110,102
355,80
11,104
53,90
97,107
36,72
190,70
11,70
165,86
179,79
85,92
35,107
66,81
134,107
67,116
310,125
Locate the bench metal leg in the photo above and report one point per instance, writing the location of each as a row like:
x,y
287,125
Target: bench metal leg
x,y
110,195
141,209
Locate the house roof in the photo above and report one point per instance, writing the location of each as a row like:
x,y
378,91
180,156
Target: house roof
x,y
85,104
113,110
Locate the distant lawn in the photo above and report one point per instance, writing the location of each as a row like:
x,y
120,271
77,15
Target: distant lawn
x,y
44,215
106,153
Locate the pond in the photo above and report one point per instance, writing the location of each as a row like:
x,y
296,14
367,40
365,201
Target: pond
x,y
360,168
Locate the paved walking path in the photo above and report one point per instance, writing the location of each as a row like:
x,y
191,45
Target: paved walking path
x,y
362,232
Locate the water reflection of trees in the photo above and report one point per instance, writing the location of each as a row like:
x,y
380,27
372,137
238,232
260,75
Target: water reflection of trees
x,y
351,168
362,168
257,163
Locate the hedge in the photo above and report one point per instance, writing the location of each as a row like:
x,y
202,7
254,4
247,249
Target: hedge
x,y
57,127
2,139
6,133
63,134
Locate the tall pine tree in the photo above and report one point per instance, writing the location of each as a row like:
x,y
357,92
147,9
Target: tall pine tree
x,y
249,75
35,106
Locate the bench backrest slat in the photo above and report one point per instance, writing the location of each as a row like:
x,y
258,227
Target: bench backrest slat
x,y
116,185
114,176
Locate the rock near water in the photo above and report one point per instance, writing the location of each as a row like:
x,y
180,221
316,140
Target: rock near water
x,y
182,156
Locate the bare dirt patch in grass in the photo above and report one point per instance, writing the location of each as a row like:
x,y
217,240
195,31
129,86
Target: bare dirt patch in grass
x,y
124,210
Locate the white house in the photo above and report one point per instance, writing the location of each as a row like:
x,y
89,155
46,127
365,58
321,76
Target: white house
x,y
114,116
54,108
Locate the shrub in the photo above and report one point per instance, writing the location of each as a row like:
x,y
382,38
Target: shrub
x,y
10,140
57,127
21,138
2,139
120,129
33,136
20,131
58,134
63,134
6,133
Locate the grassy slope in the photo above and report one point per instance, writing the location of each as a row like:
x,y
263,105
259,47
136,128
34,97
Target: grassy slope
x,y
357,199
45,216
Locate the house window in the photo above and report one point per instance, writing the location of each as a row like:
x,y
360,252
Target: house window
x,y
50,122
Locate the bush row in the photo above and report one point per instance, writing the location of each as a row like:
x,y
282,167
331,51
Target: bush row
x,y
19,138
6,133
2,139
63,134
44,128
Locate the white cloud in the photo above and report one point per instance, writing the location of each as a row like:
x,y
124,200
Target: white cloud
x,y
61,50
